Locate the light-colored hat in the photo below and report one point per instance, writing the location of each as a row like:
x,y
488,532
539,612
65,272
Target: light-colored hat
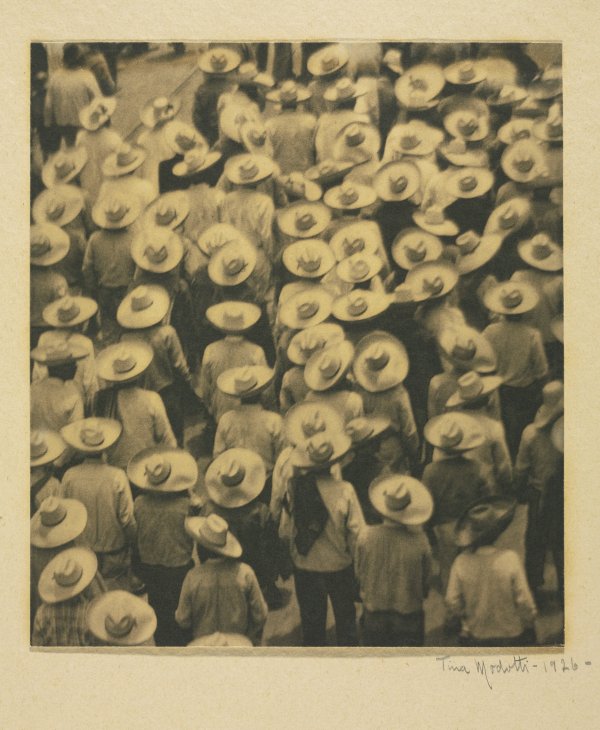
x,y
326,368
169,210
256,139
515,129
307,419
350,196
321,451
233,116
213,533
365,428
243,382
380,362
415,138
248,169
419,85
458,153
97,113
124,361
69,311
309,258
433,220
484,521
474,250
465,72
288,93
358,237
414,246
343,90
557,327
143,307
57,522
511,297
48,244
306,308
359,267
303,220
468,349
59,205
163,469
396,181
392,58
219,60
508,217
121,619
64,166
182,137
125,160
67,574
558,435
402,499
327,60
159,250
221,639
330,170
116,212
298,187
360,305
548,84
45,447
159,110
470,182
431,280
313,339
553,404
195,161
58,353
357,140
454,432
233,263
235,478
550,129
541,252
465,117
524,161
217,235
92,435
233,316
472,386
508,95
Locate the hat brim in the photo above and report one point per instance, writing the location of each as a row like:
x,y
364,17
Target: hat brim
x,y
293,252
180,202
142,354
148,317
433,248
366,196
145,619
507,134
490,384
551,263
312,191
181,169
226,381
216,316
300,458
367,231
51,592
233,61
183,475
453,129
50,176
511,152
288,311
286,218
313,376
452,74
378,426
414,280
558,435
377,303
446,228
336,171
485,181
314,66
110,168
111,430
55,447
302,95
87,309
343,269
411,173
302,412
489,246
472,438
465,536
470,158
69,194
249,488
71,527
484,359
102,221
215,266
330,333
58,251
492,301
174,257
194,527
417,512
394,372
75,352
110,104
149,120
545,416
522,210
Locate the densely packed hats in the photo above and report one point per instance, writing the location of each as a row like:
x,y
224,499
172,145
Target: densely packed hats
x,y
360,305
233,316
557,327
402,499
392,58
511,297
454,432
524,161
92,435
458,153
359,267
233,116
307,419
121,619
358,237
468,349
515,129
69,311
222,639
431,280
243,382
125,160
67,575
321,451
313,339
326,368
289,93
64,166
415,138
465,117
419,85
548,84
116,212
255,138
550,129
158,111
414,246
365,428
558,435
233,263
309,258
57,522
195,161
350,196
213,532
159,250
219,60
327,60
304,219
45,447
124,361
541,252
508,217
163,469
182,137
235,478
465,72
360,139
343,90
433,220
330,171
306,308
97,113
48,244
144,306
470,182
474,250
484,521
507,95
248,169
380,362
553,404
472,386
58,353
396,181
59,205
169,210
298,187
217,235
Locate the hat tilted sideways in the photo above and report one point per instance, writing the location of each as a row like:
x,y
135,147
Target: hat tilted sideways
x,y
454,432
414,246
57,522
123,362
45,447
419,86
307,419
235,478
64,166
541,252
233,316
507,95
331,171
309,258
508,217
196,161
48,244
67,575
92,435
474,251
59,205
465,72
213,532
523,161
380,362
313,339
471,387
158,111
163,469
97,113
359,267
327,60
304,219
125,160
69,311
553,404
143,307
326,368
365,428
121,619
397,181
321,451
484,521
306,308
350,196
431,280
169,210
243,382
511,297
248,169
467,349
182,137
233,263
219,60
159,250
360,305
402,499
359,237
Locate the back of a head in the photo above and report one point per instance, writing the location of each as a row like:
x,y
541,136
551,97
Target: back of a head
x,y
73,55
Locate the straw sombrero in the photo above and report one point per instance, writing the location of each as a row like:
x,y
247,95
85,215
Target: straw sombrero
x,y
248,169
121,619
313,339
414,138
64,166
468,349
233,263
169,210
59,205
67,574
548,84
511,297
392,58
304,219
233,116
516,129
217,235
365,428
550,129
163,469
431,280
125,160
213,532
465,73
380,362
143,307
124,361
471,387
44,447
360,305
465,117
321,451
195,161
233,317
401,498
557,327
359,267
419,86
219,60
454,432
524,161
397,181
181,137
433,220
242,382
92,435
541,252
298,187
308,419
288,93
326,368
309,258
327,60
330,171
508,95
484,521
48,244
474,250
235,478
58,353
358,141
343,90
358,237
508,217
255,138
57,522
414,246
116,212
470,182
69,311
350,196
159,250
306,308
458,153
97,113
159,110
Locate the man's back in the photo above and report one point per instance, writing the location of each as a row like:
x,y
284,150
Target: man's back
x,y
292,135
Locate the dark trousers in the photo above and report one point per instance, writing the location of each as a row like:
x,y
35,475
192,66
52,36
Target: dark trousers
x,y
109,299
519,406
172,397
312,590
391,628
164,587
545,531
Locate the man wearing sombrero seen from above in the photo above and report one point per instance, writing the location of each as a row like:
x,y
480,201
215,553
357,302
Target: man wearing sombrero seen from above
x,y
218,65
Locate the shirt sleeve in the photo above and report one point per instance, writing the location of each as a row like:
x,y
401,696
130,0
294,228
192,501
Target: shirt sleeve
x,y
183,614
539,362
355,520
125,507
454,592
163,433
502,462
523,463
221,435
176,355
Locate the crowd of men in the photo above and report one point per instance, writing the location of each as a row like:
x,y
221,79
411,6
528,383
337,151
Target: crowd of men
x,y
348,270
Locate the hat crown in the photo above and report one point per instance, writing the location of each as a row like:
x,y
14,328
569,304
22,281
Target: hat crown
x,y
359,429
348,194
244,380
52,512
457,146
470,386
40,245
116,210
234,263
313,425
124,361
553,393
541,246
121,626
511,298
416,252
467,183
377,358
248,170
397,498
141,299
55,208
357,306
233,317
523,161
451,434
464,349
57,351
468,242
257,135
125,155
304,221
218,61
309,343
37,445
468,125
194,158
358,268
91,435
466,71
344,88
352,246
310,259
67,573
215,530
319,449
165,213
288,91
157,470
507,92
482,517
67,310
63,165
185,141
156,255
234,474
398,184
508,217
308,309
329,61
330,365
409,141
434,215
354,136
417,83
433,286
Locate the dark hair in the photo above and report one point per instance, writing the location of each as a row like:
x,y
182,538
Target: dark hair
x,y
73,55
64,371
476,404
205,553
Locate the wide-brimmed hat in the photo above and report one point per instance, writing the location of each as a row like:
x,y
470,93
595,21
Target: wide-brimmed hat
x,y
248,73
465,72
402,498
308,341
144,306
326,368
67,574
433,220
343,90
169,210
431,280
330,171
298,187
159,250
217,235
350,196
472,386
233,116
248,169
64,166
92,435
468,349
359,267
116,211
219,60
484,521
289,93
508,217
321,451
415,138
474,250
553,404
413,246
256,139
360,305
69,311
358,237
550,128
307,419
45,447
246,381
58,353
196,160
57,522
48,244
458,153
233,263
548,84
222,639
558,435
541,252
309,258
469,182
59,205
121,619
365,428
557,327
515,129
163,469
306,308
454,432
125,160
159,110
380,362
465,117
357,140
182,137
233,316
235,478
327,60
511,297
97,113
304,219
392,58
523,161
396,181
213,532
124,361
419,86
507,95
